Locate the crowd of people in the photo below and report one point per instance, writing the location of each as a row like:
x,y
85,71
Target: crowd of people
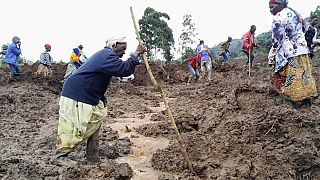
x,y
205,59
293,42
82,110
13,53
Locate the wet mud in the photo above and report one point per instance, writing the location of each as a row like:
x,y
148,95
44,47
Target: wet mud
x,y
234,127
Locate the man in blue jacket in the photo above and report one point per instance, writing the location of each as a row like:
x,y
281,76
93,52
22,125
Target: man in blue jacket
x,y
82,106
12,56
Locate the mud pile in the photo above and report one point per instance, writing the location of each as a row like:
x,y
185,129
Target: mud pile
x,y
28,121
234,127
167,74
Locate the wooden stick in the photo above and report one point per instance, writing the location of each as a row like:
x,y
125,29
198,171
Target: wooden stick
x,y
271,126
249,62
250,50
164,99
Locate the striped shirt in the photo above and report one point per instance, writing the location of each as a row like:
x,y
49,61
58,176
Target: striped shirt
x,y
45,58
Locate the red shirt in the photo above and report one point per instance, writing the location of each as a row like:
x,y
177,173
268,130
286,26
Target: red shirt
x,y
194,61
248,40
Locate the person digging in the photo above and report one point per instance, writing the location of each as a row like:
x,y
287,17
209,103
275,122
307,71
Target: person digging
x,y
44,68
82,105
194,63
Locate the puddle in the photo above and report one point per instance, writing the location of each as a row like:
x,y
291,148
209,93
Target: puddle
x,y
142,147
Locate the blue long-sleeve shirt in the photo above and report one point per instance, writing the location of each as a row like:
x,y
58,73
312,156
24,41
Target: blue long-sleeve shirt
x,y
13,54
90,82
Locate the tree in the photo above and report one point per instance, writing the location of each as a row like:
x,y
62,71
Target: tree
x,y
187,37
4,49
264,41
156,33
188,52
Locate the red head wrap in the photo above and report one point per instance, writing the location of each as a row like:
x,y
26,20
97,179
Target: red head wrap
x,y
47,46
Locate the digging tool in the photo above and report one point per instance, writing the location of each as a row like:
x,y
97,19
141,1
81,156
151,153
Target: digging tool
x,y
249,62
250,50
164,99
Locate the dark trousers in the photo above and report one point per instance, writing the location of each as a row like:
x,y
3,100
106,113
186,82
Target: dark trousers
x,y
251,56
14,70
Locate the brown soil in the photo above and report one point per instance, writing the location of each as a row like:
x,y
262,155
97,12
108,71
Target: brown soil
x,y
234,127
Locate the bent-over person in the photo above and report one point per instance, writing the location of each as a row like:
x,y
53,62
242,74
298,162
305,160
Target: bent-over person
x,y
82,106
44,68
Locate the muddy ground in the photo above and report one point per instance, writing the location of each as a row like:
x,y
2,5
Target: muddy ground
x,y
234,127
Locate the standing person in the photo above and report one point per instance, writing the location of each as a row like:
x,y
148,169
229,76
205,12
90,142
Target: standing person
x,y
74,63
194,63
224,49
45,62
83,57
248,43
293,77
206,59
311,35
12,57
82,110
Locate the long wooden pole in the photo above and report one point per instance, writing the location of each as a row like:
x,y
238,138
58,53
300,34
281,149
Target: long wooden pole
x,y
250,50
164,99
249,62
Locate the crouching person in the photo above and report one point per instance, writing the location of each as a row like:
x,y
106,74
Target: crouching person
x,y
82,110
193,66
44,67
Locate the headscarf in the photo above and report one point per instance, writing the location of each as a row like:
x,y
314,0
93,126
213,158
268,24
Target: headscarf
x,y
47,46
15,39
76,50
112,41
280,2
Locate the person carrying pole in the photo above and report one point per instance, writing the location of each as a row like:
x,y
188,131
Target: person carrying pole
x,y
82,105
247,46
248,43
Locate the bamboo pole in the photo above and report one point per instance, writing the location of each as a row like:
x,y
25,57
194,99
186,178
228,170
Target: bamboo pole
x,y
164,99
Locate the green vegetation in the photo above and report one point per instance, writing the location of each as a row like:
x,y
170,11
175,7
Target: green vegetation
x,y
316,13
263,40
2,54
187,37
156,33
4,48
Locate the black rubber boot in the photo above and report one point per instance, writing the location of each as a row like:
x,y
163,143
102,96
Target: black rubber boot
x,y
92,151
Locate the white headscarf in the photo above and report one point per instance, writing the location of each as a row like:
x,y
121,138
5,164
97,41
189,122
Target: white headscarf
x,y
112,41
